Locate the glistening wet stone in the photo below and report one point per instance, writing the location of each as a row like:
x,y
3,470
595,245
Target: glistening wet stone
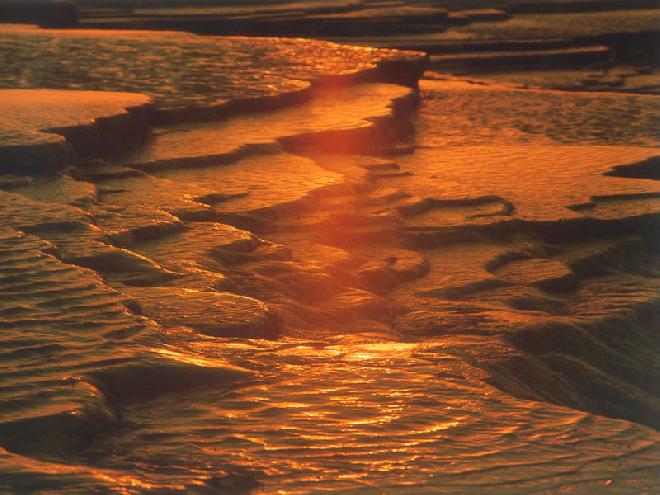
x,y
285,319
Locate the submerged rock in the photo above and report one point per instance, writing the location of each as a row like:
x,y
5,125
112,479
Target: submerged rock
x,y
383,269
356,304
220,314
123,265
550,275
60,189
163,371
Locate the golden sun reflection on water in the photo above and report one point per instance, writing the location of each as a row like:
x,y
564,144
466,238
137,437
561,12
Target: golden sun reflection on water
x,y
370,414
195,360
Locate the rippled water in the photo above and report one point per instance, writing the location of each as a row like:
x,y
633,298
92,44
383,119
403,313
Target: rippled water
x,y
536,117
439,322
349,417
179,69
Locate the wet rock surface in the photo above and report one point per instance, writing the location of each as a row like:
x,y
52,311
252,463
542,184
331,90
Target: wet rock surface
x,y
219,314
36,123
572,45
141,61
318,305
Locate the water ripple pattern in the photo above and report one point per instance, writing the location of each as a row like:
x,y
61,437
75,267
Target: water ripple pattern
x,y
387,417
178,69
